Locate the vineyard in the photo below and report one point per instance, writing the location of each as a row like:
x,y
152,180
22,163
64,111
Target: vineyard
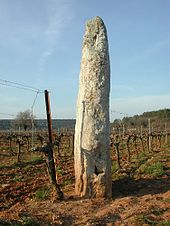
x,y
140,173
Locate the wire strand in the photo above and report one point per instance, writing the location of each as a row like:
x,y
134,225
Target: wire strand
x,y
34,100
121,113
19,86
7,114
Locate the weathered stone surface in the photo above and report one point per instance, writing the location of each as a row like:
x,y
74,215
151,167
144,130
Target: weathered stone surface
x,y
92,154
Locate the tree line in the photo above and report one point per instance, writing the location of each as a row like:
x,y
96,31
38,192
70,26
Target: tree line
x,y
159,120
25,120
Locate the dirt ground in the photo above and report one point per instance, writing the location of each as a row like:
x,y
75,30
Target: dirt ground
x,y
26,198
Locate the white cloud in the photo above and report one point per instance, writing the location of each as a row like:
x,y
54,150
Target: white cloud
x,y
47,53
138,105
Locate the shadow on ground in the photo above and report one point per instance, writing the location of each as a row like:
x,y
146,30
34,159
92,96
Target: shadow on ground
x,y
130,187
22,164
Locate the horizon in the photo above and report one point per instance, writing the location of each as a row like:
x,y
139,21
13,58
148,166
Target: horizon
x,y
41,44
75,118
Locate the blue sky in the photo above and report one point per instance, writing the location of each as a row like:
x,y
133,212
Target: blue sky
x,y
40,46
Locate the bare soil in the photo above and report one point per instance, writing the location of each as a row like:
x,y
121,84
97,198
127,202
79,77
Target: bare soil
x,y
139,200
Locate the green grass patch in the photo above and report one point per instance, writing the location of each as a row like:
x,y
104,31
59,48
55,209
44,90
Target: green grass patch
x,y
43,193
34,159
18,179
155,170
28,167
28,164
114,167
142,155
157,211
142,161
142,158
29,221
2,166
123,146
59,170
167,200
68,182
145,219
164,223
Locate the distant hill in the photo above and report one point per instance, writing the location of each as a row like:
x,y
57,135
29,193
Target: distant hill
x,y
159,119
6,124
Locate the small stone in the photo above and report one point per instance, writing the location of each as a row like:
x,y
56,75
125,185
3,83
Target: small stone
x,y
5,185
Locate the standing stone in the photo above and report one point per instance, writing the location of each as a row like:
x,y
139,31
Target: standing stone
x,y
92,151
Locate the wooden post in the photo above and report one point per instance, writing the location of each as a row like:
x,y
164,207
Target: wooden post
x,y
50,158
166,134
123,128
73,144
149,133
141,131
32,130
118,154
49,118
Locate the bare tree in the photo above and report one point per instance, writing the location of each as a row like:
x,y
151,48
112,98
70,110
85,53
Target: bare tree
x,y
24,120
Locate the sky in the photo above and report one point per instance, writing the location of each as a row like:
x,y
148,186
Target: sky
x,y
41,44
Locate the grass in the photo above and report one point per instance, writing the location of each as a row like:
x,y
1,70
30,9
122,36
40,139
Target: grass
x,y
59,170
157,211
123,145
28,167
116,175
165,223
142,158
18,179
167,200
28,221
142,155
114,167
68,182
155,170
145,219
2,166
34,160
43,193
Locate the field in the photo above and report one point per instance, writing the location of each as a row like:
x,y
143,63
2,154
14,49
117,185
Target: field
x,y
141,184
